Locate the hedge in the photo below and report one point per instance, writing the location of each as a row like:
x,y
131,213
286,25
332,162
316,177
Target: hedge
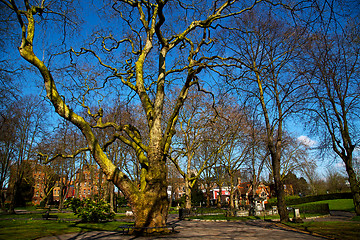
x,y
315,198
321,208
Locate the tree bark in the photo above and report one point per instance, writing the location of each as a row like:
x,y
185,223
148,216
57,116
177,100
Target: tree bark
x,y
187,197
150,206
279,189
354,183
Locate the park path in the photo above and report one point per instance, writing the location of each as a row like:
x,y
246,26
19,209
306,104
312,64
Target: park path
x,y
335,216
204,230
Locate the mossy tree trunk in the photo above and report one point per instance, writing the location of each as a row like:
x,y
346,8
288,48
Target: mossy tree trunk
x,y
149,197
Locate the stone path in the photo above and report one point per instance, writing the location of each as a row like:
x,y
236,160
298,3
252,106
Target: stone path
x,y
205,230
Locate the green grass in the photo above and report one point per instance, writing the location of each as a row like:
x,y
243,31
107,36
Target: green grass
x,y
33,229
335,230
340,204
335,204
64,216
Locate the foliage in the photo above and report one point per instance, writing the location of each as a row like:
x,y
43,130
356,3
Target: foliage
x,y
320,208
122,201
273,201
300,186
197,197
91,210
322,197
74,203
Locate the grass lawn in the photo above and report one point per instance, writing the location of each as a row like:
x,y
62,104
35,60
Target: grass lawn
x,y
335,230
340,204
62,216
31,225
336,204
32,229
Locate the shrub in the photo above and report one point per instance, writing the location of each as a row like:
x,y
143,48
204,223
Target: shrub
x,y
74,203
122,201
319,208
91,210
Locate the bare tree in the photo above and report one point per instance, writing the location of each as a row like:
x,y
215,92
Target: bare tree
x,y
197,124
166,32
236,152
258,153
7,148
264,49
28,129
331,71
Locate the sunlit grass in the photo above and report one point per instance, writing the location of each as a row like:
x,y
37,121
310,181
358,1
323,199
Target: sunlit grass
x,y
334,230
33,229
340,204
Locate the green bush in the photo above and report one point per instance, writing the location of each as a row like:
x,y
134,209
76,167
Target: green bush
x,y
122,201
318,208
91,210
74,203
209,210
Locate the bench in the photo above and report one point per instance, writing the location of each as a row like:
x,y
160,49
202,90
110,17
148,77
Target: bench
x,y
47,216
125,229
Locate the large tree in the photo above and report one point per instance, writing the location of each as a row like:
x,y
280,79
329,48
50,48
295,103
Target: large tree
x,y
27,128
197,129
331,71
264,47
132,54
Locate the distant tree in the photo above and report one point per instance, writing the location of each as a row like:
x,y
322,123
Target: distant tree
x,y
198,122
299,185
28,130
61,146
8,124
331,72
263,48
336,182
207,177
238,148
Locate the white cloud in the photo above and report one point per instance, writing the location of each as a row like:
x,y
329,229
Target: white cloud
x,y
307,141
340,165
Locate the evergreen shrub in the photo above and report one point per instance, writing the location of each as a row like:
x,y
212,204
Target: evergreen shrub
x,y
91,210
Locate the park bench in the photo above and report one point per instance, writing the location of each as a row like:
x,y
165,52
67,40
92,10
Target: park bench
x,y
125,229
47,216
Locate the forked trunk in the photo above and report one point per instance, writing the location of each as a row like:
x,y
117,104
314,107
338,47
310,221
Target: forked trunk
x,y
150,204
